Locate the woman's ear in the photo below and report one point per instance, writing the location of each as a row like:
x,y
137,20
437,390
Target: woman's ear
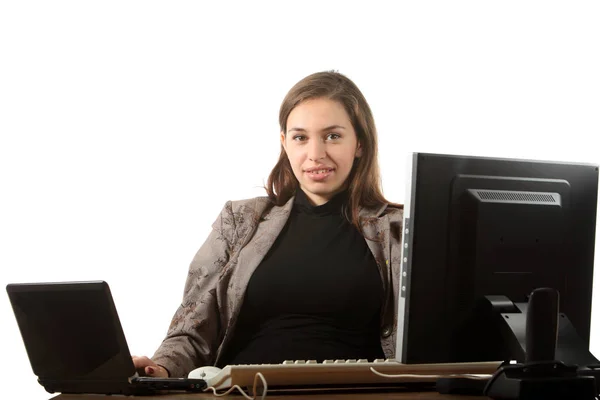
x,y
282,138
358,151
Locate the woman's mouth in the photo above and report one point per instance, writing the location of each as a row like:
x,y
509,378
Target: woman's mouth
x,y
319,174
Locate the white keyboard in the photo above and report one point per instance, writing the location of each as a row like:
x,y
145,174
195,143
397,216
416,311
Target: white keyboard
x,y
337,373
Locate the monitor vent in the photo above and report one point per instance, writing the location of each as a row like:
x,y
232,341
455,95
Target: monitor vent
x,y
517,196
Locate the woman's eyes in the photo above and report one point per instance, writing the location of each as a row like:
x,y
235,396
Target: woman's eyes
x,y
330,136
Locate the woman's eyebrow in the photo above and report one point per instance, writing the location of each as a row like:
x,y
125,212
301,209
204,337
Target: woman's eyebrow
x,y
331,127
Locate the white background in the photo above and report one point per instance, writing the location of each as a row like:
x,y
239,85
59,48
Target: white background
x,y
126,125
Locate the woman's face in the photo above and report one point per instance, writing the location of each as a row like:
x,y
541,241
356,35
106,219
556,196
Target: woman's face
x,y
321,146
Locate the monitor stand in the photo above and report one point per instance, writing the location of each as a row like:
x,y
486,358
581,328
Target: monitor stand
x,y
543,375
496,330
543,356
570,348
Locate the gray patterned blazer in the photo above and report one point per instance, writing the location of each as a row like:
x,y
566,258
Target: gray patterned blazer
x,y
221,269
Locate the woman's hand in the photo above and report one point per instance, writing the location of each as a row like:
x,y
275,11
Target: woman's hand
x,y
149,367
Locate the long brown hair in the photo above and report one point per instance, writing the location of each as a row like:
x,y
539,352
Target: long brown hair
x,y
364,181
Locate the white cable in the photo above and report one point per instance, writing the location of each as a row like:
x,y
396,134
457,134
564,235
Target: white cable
x,y
256,377
424,376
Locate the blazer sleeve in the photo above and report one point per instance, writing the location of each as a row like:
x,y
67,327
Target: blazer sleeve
x,y
192,338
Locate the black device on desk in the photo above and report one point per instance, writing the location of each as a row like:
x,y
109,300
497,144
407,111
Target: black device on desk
x,y
480,234
75,342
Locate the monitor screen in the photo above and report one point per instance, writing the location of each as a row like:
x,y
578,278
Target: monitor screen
x,y
486,230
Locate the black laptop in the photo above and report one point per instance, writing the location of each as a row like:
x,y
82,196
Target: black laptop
x,y
75,342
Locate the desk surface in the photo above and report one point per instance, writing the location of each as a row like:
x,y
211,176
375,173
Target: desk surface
x,y
337,396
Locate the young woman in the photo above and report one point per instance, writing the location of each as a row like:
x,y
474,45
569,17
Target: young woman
x,y
310,272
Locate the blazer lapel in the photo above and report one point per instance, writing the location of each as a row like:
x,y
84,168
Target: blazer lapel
x,y
376,228
268,229
258,242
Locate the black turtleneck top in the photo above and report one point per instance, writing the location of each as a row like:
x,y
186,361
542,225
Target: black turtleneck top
x,y
317,294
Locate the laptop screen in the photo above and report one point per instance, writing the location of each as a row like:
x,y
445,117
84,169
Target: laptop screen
x,y
71,330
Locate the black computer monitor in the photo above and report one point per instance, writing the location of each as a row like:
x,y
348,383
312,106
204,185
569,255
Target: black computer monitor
x,y
480,235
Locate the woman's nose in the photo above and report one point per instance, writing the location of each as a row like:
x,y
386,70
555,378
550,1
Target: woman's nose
x,y
316,151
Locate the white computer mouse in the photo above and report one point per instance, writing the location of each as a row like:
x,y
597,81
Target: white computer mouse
x,y
205,373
